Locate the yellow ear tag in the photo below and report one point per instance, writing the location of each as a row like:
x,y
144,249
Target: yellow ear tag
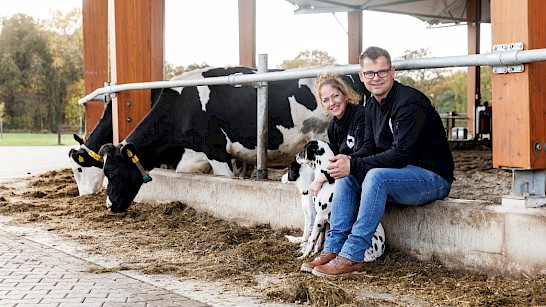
x,y
94,155
80,159
134,158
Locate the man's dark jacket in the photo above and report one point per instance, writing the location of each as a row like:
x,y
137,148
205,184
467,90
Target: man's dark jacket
x,y
403,129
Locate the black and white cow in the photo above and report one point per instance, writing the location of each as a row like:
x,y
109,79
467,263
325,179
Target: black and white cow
x,y
86,163
219,121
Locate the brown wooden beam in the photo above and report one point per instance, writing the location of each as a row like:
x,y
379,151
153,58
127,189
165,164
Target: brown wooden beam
x,y
354,29
519,99
95,60
137,56
247,33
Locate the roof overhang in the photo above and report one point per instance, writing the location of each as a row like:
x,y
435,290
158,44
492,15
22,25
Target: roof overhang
x,y
433,12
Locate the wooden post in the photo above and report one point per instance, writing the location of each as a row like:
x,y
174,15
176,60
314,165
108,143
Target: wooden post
x,y
137,36
95,60
247,33
519,99
354,36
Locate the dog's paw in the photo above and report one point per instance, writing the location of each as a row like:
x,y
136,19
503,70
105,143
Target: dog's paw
x,y
295,240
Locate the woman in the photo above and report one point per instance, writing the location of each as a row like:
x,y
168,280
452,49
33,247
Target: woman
x,y
346,130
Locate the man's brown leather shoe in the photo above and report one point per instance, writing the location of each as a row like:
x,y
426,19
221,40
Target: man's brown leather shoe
x,y
338,266
323,258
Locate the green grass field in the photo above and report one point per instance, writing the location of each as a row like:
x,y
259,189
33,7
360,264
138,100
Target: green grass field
x,y
36,139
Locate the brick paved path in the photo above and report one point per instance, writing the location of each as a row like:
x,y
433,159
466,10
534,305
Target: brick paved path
x,y
35,274
37,270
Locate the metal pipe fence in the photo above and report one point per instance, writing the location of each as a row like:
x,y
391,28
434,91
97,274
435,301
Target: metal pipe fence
x,y
498,58
505,58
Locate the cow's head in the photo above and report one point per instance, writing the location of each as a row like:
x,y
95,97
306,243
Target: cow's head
x,y
84,156
125,175
88,179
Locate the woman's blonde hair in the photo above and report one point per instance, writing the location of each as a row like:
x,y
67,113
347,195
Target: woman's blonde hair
x,y
335,81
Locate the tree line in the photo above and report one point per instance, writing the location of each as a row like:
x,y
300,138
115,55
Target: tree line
x,y
41,73
41,70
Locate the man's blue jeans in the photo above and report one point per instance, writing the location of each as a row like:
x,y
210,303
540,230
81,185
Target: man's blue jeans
x,y
353,223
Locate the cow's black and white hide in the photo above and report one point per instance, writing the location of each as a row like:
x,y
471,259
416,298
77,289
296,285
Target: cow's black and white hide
x,y
219,121
316,155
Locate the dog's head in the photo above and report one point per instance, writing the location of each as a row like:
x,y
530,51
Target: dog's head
x,y
293,173
315,153
299,174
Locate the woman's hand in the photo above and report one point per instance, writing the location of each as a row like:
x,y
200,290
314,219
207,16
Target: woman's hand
x,y
317,183
339,166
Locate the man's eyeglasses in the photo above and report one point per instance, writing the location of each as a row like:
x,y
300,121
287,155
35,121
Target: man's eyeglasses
x,y
381,73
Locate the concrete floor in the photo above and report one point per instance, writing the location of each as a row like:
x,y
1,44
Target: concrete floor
x,y
22,161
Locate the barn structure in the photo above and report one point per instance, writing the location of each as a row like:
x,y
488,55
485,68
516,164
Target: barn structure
x,y
473,235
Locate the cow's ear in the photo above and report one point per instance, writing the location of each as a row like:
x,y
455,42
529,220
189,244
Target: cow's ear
x,y
156,94
74,155
78,139
107,149
77,157
128,150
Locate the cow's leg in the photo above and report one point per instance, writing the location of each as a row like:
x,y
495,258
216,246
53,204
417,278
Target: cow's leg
x,y
247,170
241,169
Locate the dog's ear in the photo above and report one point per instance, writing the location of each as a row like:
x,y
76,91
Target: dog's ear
x,y
294,171
311,149
294,167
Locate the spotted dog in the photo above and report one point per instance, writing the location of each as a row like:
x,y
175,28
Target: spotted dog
x,y
301,175
316,155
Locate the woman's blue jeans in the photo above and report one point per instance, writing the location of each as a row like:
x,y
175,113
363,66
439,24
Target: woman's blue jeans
x,y
353,222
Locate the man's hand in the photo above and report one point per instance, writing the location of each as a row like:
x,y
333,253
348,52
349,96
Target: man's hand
x,y
339,166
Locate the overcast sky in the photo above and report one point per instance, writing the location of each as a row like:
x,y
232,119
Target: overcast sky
x,y
206,31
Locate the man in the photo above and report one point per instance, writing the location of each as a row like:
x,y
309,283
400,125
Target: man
x,y
405,159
